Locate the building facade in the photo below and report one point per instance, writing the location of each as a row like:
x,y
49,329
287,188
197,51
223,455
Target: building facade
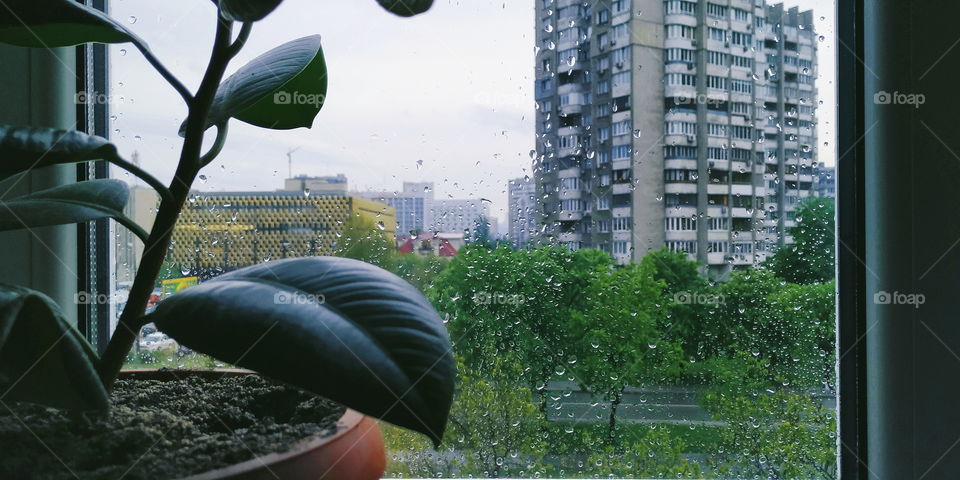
x,y
685,124
825,181
522,211
235,229
461,216
327,185
418,211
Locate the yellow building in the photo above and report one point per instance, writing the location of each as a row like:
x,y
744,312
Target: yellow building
x,y
236,229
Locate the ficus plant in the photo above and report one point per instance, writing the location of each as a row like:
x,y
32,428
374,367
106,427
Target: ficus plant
x,y
340,328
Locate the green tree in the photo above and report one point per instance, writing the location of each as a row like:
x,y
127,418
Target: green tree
x,y
616,331
683,285
364,240
421,272
810,259
513,304
774,435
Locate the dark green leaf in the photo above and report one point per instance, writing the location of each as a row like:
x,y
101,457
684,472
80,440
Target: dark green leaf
x,y
406,8
281,89
43,359
73,203
247,10
26,148
338,327
56,23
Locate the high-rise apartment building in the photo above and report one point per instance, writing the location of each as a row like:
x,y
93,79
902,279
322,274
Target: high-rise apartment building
x,y
461,216
522,211
685,124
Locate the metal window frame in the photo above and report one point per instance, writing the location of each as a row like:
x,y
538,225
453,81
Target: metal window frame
x,y
851,247
93,238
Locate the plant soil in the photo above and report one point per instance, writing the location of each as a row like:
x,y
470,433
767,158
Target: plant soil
x,y
162,430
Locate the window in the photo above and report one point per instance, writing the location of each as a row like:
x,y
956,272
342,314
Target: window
x,y
526,409
621,57
680,31
681,128
621,152
621,79
716,58
681,55
680,7
622,127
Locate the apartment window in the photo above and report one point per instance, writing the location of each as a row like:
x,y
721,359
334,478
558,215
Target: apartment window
x,y
603,134
742,132
621,247
621,79
716,34
719,223
716,58
621,57
603,16
741,15
716,130
680,7
571,205
741,108
603,226
715,10
742,39
603,87
603,109
603,63
603,202
570,183
741,86
619,6
683,246
679,152
621,224
681,128
718,247
569,141
622,128
621,32
714,81
717,153
745,62
603,157
681,55
680,31
680,224
621,152
622,175
605,180
681,79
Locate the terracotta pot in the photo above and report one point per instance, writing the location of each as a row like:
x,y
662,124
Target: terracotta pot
x,y
355,452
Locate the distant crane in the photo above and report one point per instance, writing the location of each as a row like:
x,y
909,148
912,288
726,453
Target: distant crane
x,y
290,161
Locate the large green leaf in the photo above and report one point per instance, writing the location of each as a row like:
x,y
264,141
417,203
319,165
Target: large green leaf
x,y
56,23
281,89
406,8
26,148
73,203
43,359
338,327
246,10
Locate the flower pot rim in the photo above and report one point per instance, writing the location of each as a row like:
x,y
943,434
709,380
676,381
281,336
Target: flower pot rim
x,y
346,424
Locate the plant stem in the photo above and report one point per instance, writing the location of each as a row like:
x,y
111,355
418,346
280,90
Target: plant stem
x,y
160,68
155,249
161,189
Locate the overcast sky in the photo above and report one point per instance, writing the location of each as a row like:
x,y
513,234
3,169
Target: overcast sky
x,y
452,87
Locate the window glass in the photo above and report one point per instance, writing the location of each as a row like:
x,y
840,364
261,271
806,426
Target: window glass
x,y
627,295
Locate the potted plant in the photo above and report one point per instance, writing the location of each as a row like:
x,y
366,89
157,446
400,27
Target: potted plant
x,y
339,328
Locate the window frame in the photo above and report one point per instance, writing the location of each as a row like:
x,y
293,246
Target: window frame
x,y
94,239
